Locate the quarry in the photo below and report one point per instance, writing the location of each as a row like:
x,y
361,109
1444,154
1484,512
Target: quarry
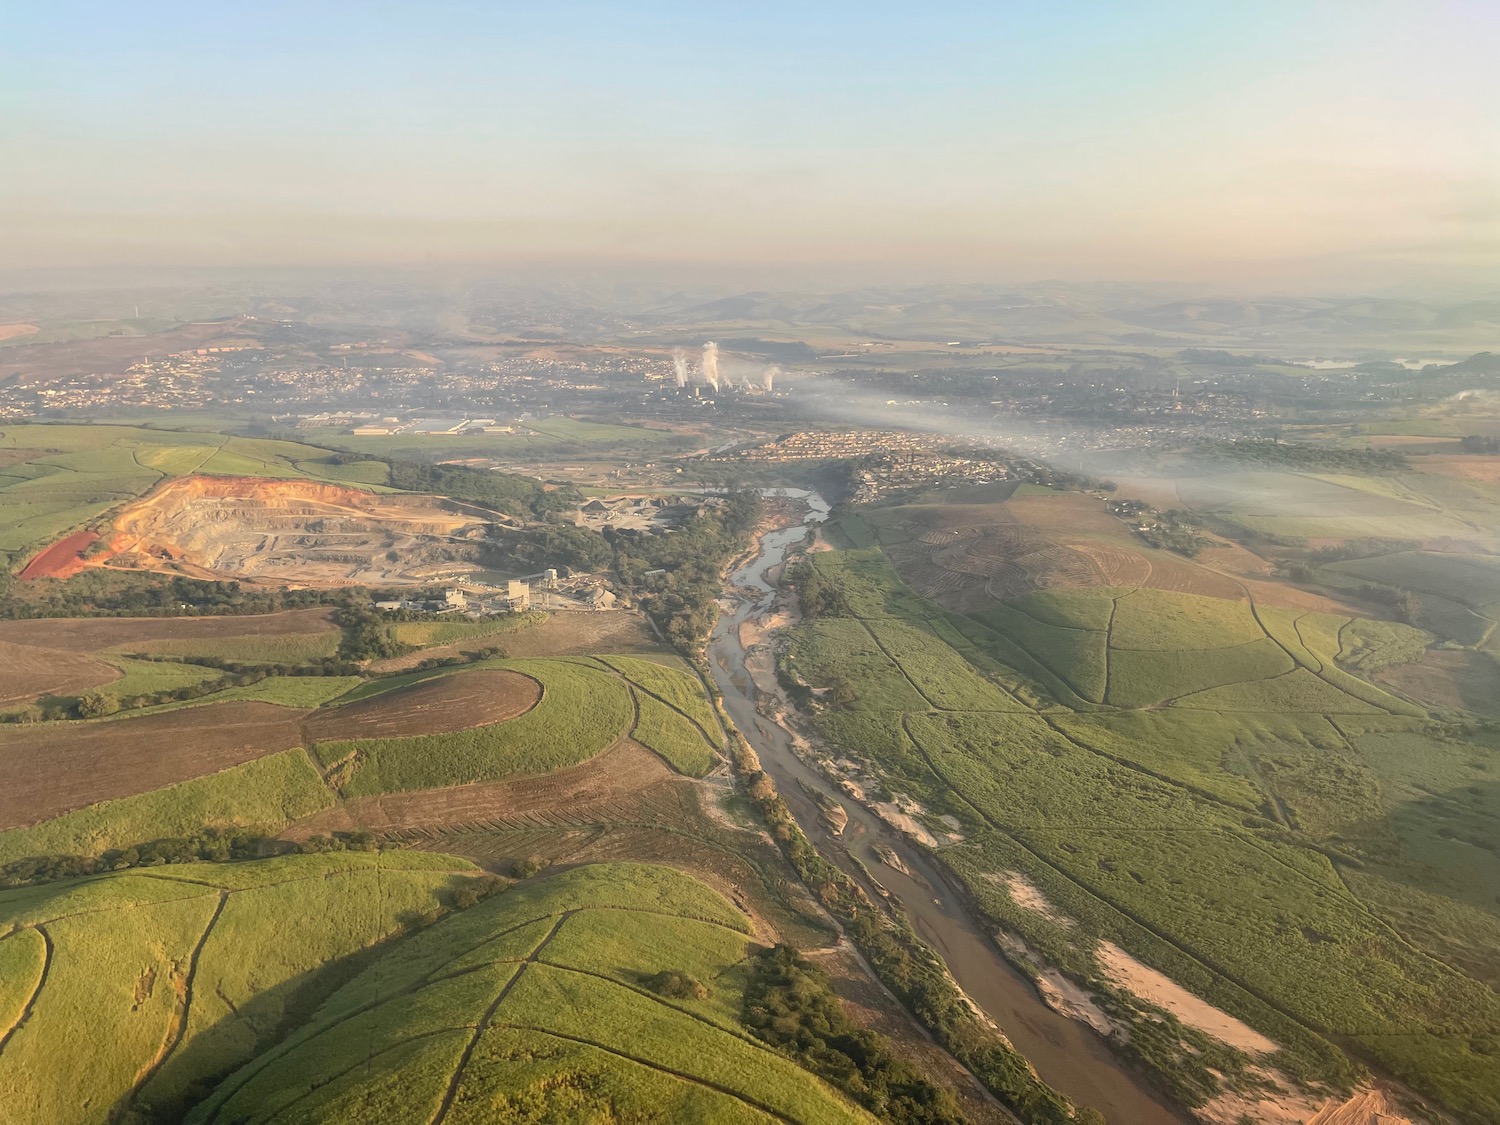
x,y
298,533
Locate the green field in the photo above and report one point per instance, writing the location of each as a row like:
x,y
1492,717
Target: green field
x,y
143,677
155,984
271,648
670,734
1184,771
582,711
535,1005
425,633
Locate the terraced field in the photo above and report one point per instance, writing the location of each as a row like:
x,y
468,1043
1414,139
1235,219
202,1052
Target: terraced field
x,y
1205,781
538,1004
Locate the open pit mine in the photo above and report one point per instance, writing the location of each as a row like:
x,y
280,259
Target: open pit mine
x,y
298,533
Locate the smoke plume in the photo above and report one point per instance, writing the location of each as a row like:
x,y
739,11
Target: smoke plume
x,y
679,367
711,364
771,373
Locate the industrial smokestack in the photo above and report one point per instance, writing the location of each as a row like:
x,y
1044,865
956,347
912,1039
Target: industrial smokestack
x,y
711,364
679,367
771,373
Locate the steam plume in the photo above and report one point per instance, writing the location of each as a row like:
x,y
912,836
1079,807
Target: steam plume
x,y
771,373
679,367
711,364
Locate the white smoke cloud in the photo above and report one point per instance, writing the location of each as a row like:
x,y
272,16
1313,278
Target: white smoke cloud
x,y
679,367
771,373
711,364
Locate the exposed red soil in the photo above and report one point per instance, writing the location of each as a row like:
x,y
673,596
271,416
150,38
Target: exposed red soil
x,y
52,768
61,560
94,634
625,769
448,703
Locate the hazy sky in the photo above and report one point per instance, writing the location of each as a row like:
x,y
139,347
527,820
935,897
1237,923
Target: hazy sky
x,y
1346,144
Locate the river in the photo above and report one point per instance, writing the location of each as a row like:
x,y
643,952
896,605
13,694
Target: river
x,y
1068,1055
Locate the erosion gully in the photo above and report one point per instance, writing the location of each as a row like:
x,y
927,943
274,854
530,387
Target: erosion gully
x,y
1068,1055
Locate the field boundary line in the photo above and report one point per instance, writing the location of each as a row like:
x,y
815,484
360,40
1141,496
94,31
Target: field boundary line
x,y
681,1076
646,993
1117,908
48,953
719,746
485,1020
899,666
183,1014
366,1061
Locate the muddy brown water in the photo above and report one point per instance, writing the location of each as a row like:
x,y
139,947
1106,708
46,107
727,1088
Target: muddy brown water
x,y
1067,1054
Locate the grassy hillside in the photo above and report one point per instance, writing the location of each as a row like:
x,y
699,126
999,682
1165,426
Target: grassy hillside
x,y
542,1004
1199,780
140,988
582,711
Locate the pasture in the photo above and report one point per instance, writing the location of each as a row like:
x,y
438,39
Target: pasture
x,y
538,1002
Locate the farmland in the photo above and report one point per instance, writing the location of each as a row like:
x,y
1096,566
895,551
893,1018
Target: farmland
x,y
183,974
581,712
1207,780
538,999
54,767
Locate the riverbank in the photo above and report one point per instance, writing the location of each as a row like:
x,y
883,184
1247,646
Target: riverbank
x,y
1064,1053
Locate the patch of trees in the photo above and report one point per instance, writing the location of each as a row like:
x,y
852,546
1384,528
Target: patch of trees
x,y
102,593
682,598
1360,549
676,985
505,492
820,597
1405,605
1476,443
367,634
558,544
1299,455
212,845
791,1004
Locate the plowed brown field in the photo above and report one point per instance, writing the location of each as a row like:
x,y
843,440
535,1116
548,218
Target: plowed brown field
x,y
578,793
95,634
54,767
448,703
29,672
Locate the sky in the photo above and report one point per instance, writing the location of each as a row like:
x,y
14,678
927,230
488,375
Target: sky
x,y
1318,145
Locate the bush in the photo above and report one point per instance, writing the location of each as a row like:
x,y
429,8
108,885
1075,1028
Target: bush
x,y
677,986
